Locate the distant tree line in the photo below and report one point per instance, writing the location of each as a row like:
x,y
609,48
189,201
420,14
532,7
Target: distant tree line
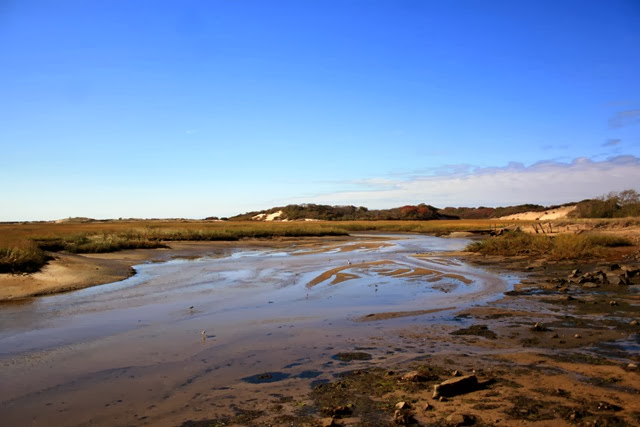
x,y
613,205
351,213
484,212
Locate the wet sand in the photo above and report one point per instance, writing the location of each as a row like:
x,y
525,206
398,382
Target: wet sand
x,y
240,337
164,344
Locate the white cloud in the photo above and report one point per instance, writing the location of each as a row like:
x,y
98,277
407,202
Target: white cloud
x,y
545,183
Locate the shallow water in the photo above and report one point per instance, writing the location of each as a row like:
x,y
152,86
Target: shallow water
x,y
183,326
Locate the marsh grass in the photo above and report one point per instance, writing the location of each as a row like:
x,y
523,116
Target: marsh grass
x,y
22,257
24,246
561,247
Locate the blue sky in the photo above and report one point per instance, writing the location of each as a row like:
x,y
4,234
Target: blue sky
x,y
197,108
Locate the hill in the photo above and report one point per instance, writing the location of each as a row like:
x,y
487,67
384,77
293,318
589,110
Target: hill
x,y
310,211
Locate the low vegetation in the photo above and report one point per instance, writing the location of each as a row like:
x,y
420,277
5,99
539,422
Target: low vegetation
x,y
561,247
24,247
23,257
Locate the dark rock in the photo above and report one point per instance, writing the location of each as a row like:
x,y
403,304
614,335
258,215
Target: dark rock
x,y
614,266
342,411
338,411
455,386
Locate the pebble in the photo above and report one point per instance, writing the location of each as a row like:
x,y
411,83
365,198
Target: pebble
x,y
633,323
577,336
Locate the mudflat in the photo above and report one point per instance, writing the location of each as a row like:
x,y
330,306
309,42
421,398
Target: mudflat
x,y
331,331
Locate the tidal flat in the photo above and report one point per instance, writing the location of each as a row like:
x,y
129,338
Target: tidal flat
x,y
311,331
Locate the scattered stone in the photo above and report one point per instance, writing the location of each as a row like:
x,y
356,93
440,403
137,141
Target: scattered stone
x,y
613,302
555,336
590,285
442,399
413,377
569,298
633,323
577,336
403,405
427,407
575,273
614,279
460,420
539,327
403,417
455,373
455,386
338,411
614,266
606,406
632,367
328,422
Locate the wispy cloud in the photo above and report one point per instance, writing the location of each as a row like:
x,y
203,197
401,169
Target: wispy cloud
x,y
612,142
546,182
624,118
191,131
